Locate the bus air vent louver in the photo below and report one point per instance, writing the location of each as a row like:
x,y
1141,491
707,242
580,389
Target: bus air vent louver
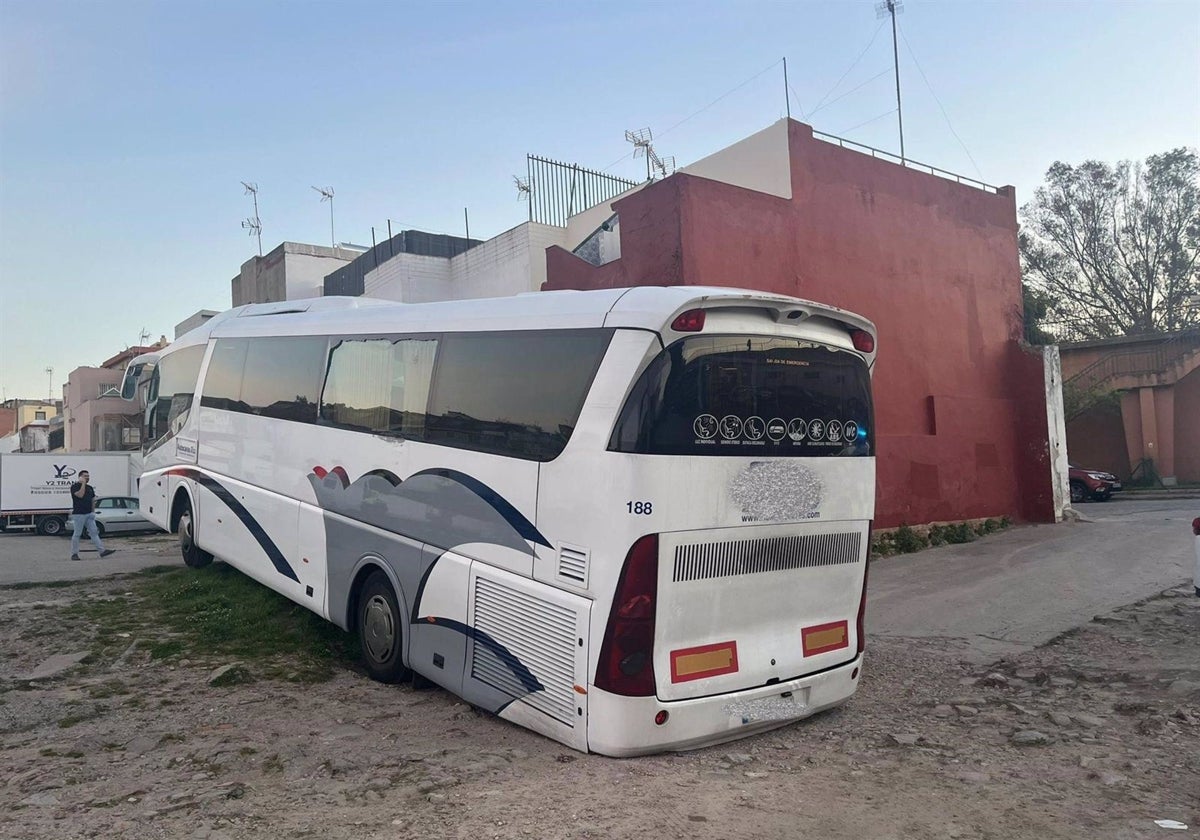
x,y
573,565
701,561
539,635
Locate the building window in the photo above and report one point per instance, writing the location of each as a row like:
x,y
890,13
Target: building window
x,y
39,415
109,389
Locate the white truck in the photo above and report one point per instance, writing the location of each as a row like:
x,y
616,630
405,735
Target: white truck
x,y
35,487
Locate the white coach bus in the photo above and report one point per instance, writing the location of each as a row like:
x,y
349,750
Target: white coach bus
x,y
632,520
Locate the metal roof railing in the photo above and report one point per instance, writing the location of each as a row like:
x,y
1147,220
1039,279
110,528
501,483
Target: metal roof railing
x,y
907,163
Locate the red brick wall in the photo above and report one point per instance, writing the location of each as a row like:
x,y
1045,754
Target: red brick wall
x,y
960,408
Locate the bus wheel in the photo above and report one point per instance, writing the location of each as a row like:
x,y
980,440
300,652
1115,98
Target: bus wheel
x,y
379,630
50,526
193,555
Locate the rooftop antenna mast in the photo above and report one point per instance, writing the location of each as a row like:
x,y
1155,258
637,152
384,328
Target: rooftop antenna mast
x,y
525,191
327,195
144,336
253,224
50,390
894,7
642,141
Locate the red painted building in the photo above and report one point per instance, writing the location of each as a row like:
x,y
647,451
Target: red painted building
x,y
961,412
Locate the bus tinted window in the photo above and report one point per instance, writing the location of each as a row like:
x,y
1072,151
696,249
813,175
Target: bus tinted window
x,y
172,390
515,393
223,380
379,385
740,395
278,376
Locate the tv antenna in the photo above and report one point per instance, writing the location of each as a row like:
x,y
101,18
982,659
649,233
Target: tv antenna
x,y
253,224
143,337
894,7
327,195
524,188
50,390
641,140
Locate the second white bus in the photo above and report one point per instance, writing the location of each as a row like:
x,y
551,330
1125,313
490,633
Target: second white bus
x,y
632,520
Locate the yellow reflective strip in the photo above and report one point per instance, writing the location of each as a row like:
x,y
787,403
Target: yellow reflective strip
x,y
825,638
711,660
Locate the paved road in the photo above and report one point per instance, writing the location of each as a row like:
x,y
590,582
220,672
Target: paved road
x,y
28,558
1027,585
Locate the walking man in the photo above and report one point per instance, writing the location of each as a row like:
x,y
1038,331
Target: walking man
x,y
83,514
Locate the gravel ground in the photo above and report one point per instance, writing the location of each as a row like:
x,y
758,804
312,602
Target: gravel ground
x,y
1094,735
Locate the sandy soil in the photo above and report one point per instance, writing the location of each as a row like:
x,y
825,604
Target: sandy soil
x,y
120,746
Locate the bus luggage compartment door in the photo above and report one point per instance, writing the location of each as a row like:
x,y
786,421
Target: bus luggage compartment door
x,y
740,608
527,654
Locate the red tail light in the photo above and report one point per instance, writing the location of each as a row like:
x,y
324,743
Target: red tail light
x,y
627,654
690,321
864,342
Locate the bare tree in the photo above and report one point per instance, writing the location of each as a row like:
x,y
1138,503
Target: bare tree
x,y
1114,249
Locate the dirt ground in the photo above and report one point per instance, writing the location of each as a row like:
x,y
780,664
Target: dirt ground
x,y
1094,735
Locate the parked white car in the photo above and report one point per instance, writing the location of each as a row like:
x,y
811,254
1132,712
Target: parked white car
x,y
117,514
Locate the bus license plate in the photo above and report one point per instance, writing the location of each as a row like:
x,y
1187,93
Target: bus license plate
x,y
766,709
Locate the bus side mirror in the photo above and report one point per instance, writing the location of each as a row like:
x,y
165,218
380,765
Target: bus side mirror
x,y
129,384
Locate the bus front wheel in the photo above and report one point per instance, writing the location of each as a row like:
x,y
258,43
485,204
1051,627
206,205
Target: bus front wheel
x,y
193,555
379,624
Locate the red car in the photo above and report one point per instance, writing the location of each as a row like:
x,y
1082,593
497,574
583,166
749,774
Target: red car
x,y
1092,484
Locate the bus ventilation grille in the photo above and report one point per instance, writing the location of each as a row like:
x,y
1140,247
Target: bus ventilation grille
x,y
573,565
539,635
701,561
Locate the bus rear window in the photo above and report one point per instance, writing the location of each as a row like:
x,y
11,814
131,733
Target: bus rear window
x,y
749,396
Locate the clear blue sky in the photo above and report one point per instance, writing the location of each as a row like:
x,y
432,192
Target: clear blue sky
x,y
125,127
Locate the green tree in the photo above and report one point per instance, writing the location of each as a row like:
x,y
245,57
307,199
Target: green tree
x,y
1113,249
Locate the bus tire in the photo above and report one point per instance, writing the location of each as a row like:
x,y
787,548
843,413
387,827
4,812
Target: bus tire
x,y
51,526
379,625
193,555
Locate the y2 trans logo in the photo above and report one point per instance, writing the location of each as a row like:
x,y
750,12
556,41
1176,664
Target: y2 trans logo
x,y
62,472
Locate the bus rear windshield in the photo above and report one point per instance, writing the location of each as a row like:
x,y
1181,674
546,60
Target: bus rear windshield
x,y
749,396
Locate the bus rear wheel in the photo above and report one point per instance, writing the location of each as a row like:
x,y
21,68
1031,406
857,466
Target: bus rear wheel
x,y
193,555
379,624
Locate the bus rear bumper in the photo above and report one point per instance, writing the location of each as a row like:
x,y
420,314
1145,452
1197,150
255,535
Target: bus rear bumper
x,y
625,726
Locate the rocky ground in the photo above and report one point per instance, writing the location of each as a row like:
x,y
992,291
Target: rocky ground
x,y
1095,735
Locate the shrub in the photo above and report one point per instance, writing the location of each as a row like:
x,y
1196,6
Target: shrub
x,y
907,540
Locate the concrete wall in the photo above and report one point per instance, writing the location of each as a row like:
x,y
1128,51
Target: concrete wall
x,y
292,270
192,321
36,437
1056,427
760,162
1187,427
961,405
1096,440
411,278
508,264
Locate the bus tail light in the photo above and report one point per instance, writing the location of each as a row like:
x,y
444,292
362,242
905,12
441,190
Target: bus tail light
x,y
864,342
690,321
627,653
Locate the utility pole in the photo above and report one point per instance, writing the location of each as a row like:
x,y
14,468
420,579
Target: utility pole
x,y
891,7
